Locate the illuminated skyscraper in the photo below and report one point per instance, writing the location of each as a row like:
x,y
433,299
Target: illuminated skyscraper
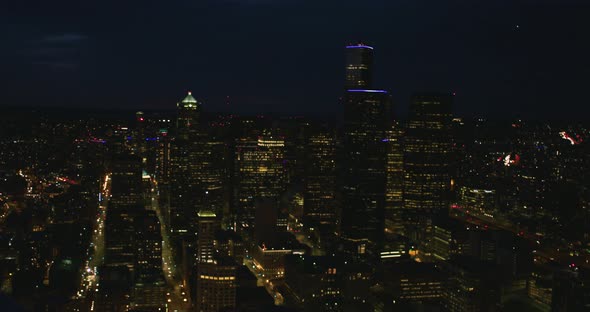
x,y
140,143
149,243
426,162
208,225
149,287
216,285
162,171
320,178
125,204
260,169
189,110
363,181
189,157
359,62
367,118
394,188
126,190
212,157
197,170
480,200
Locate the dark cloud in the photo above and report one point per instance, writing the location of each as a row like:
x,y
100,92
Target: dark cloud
x,y
64,38
57,65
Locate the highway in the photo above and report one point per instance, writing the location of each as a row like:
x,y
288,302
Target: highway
x,y
543,253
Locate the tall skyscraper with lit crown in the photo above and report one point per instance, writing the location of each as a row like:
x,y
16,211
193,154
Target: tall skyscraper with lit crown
x,y
359,63
367,118
184,165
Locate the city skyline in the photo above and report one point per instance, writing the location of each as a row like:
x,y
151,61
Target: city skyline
x,y
248,156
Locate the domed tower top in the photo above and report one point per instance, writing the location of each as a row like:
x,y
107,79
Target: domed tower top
x,y
189,102
188,112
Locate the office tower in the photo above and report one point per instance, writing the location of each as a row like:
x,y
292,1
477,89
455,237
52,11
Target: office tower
x,y
207,225
186,164
229,244
426,162
359,63
471,286
163,172
149,243
140,134
163,157
395,248
412,284
212,174
125,204
476,200
189,110
198,172
363,168
270,220
216,286
126,189
449,238
570,290
149,288
315,282
242,200
265,220
114,289
540,285
260,172
269,258
320,178
357,281
395,180
120,237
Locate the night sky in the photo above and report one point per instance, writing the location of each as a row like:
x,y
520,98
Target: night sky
x,y
503,58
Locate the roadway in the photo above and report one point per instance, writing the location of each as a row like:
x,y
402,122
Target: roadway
x,y
269,283
177,297
545,253
96,248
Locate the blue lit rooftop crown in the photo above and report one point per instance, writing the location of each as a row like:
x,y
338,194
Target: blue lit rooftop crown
x,y
359,46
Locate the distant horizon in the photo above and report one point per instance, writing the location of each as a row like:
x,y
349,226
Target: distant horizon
x,y
327,116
